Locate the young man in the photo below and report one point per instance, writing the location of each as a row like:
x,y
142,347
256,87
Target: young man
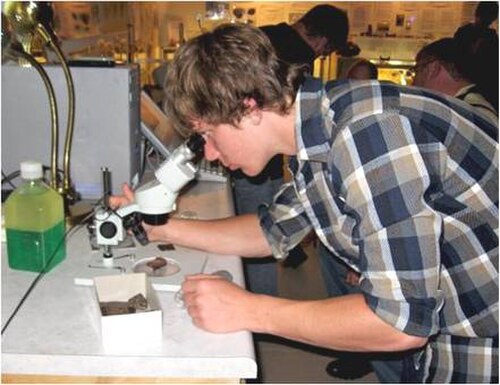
x,y
400,184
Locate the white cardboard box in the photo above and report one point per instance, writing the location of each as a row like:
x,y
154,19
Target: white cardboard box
x,y
128,332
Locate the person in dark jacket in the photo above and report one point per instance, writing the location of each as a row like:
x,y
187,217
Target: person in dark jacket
x,y
479,43
319,32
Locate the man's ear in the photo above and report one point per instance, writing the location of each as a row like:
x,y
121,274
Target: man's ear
x,y
434,68
254,113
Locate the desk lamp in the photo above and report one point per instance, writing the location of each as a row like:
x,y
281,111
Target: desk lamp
x,y
13,50
30,18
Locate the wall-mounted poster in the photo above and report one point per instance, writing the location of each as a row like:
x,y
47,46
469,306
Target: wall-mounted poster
x,y
74,20
271,13
216,10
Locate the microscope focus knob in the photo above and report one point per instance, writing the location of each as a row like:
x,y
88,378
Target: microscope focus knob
x,y
108,230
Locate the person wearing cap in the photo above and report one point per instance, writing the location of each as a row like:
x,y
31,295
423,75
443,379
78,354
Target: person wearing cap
x,y
400,183
319,32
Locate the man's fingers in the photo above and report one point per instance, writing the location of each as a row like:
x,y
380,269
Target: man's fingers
x,y
117,201
128,192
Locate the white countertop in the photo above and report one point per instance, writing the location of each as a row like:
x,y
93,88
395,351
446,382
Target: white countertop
x,y
57,332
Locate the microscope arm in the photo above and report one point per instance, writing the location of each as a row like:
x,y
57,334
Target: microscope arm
x,y
154,200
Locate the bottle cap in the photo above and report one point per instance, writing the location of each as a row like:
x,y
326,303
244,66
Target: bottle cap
x,y
31,169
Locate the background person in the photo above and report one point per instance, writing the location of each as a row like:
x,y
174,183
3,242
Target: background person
x,y
440,66
362,69
340,279
479,45
320,31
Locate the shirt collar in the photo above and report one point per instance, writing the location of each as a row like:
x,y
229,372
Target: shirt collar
x,y
314,121
464,90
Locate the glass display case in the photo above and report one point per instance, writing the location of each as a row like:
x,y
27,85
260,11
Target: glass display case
x,y
397,71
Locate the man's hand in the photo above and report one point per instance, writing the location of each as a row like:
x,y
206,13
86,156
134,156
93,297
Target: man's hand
x,y
155,233
352,277
117,201
310,239
215,304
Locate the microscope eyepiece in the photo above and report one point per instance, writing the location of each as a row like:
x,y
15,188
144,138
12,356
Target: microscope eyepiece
x,y
195,143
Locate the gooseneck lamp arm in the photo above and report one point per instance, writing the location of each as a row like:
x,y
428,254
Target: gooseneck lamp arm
x,y
52,40
26,18
13,52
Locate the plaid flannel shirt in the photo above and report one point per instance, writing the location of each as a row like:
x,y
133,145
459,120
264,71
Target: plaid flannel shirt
x,y
402,185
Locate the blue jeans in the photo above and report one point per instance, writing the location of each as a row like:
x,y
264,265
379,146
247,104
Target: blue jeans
x,y
389,367
261,273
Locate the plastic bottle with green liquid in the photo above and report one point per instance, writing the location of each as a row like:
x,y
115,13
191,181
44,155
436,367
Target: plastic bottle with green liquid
x,y
34,223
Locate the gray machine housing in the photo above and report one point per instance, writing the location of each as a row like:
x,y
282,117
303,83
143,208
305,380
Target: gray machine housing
x,y
107,122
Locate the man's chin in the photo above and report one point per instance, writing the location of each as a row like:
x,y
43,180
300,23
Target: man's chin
x,y
250,173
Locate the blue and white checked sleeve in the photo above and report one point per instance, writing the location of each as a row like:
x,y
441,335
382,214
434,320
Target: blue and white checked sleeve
x,y
285,223
384,179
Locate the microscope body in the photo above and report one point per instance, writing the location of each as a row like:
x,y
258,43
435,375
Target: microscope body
x,y
154,199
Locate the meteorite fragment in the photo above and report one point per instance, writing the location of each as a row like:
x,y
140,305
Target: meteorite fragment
x,y
157,263
115,307
138,303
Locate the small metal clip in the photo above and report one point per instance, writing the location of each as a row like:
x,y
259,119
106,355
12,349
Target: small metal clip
x,y
120,268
